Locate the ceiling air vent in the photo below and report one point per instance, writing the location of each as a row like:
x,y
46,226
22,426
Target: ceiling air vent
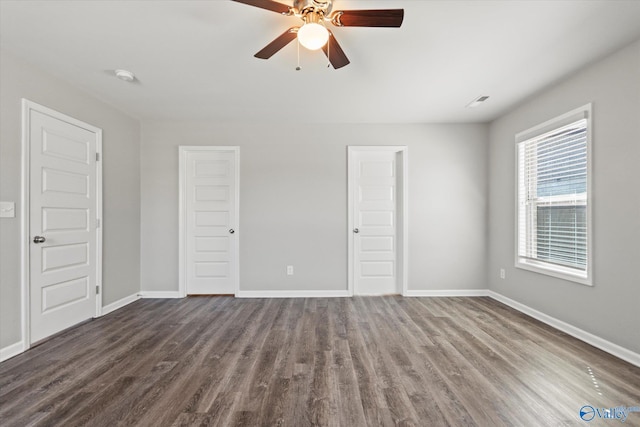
x,y
479,100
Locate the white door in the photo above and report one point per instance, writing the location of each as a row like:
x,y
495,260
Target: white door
x,y
209,220
376,220
63,215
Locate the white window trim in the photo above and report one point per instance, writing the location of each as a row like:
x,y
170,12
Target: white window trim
x,y
566,273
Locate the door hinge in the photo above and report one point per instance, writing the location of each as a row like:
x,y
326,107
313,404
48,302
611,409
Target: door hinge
x,y
97,157
97,289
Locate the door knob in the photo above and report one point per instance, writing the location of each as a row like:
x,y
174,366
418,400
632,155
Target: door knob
x,y
39,239
355,230
231,231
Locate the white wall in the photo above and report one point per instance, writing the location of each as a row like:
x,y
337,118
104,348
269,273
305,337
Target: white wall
x,y
611,308
121,184
293,202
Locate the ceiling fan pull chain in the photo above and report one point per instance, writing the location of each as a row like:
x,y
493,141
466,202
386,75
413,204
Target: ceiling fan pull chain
x,y
298,68
329,50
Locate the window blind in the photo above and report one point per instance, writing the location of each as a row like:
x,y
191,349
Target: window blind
x,y
552,197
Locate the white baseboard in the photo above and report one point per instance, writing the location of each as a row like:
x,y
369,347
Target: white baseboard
x,y
345,293
448,293
160,294
589,338
293,294
11,350
120,303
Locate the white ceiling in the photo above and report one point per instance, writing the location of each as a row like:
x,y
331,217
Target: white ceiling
x,y
194,59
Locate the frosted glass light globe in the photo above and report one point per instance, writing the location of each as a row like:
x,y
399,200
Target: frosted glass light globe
x,y
313,36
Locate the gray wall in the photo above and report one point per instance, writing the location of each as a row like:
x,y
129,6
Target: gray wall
x,y
610,308
121,184
293,202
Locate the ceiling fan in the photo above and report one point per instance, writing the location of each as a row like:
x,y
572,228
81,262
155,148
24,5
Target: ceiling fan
x,y
313,34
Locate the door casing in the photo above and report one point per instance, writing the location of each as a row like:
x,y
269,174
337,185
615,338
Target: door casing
x,y
182,193
402,227
25,234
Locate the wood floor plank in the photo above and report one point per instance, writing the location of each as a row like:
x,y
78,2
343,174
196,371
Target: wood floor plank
x,y
371,394
231,337
176,391
223,408
362,361
138,362
297,404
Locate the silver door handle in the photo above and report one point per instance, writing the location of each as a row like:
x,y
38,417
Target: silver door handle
x,y
231,231
355,230
39,239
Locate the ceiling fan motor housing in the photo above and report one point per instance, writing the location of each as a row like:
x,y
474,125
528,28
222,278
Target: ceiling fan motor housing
x,y
303,7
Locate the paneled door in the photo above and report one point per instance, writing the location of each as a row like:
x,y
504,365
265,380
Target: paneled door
x,y
209,220
63,221
377,223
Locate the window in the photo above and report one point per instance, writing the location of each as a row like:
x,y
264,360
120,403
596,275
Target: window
x,y
553,223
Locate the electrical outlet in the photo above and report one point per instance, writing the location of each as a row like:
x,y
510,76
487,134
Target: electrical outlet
x,y
502,273
289,270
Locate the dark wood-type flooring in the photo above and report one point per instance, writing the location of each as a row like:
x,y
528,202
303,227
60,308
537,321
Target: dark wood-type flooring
x,y
363,361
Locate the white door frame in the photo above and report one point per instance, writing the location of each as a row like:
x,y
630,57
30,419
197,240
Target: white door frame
x,y
403,208
183,150
25,279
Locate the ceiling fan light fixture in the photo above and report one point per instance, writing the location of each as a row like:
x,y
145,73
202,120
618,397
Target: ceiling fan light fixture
x,y
313,35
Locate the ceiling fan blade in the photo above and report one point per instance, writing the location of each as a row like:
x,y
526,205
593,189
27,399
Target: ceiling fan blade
x,y
267,4
281,41
368,18
335,53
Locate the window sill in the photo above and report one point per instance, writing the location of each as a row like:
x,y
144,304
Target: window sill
x,y
554,271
